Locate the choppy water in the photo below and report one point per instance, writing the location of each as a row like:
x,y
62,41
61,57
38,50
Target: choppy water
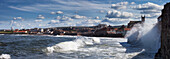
x,y
70,47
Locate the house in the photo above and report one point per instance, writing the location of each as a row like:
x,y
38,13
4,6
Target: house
x,y
20,32
58,32
127,29
132,23
41,30
102,31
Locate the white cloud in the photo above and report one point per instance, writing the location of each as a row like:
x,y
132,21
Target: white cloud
x,y
121,5
83,5
40,17
102,11
24,8
52,13
54,22
147,6
88,22
132,3
38,20
97,17
17,18
58,17
57,23
64,18
115,20
59,12
155,15
78,17
14,23
14,18
136,9
118,14
61,21
61,5
149,11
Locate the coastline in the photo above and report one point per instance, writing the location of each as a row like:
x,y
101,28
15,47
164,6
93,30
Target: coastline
x,y
60,35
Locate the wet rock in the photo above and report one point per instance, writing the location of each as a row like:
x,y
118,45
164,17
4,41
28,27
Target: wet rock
x,y
2,44
164,51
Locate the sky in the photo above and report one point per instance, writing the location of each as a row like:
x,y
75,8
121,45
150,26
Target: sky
x,y
25,14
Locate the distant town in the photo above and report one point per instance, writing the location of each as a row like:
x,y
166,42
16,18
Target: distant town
x,y
101,30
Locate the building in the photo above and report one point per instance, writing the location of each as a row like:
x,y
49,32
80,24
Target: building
x,y
131,23
20,32
101,32
112,32
41,30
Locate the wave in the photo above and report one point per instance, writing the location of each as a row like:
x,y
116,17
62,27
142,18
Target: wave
x,y
5,56
72,45
145,35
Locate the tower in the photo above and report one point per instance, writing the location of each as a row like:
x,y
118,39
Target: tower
x,y
12,28
143,18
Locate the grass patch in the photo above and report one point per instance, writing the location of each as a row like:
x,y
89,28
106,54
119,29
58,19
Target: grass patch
x,y
5,32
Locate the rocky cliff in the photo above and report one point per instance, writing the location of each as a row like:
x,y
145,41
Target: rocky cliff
x,y
164,51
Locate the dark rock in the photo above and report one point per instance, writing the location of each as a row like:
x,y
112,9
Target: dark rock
x,y
164,51
2,44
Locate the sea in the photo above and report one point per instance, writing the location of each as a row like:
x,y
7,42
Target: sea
x,y
69,47
142,42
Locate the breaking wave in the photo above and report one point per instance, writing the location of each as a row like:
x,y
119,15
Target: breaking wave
x,y
72,45
145,35
5,56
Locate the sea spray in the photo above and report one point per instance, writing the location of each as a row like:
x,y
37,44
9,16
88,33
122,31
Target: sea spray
x,y
145,35
5,56
72,45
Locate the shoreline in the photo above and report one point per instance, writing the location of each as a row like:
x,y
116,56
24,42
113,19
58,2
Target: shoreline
x,y
61,35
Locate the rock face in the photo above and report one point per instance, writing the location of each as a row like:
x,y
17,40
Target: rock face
x,y
164,51
2,44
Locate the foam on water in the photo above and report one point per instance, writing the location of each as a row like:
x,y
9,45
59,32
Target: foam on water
x,y
2,34
108,48
72,45
5,56
145,35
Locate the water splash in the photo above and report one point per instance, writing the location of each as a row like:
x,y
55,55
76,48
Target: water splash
x,y
72,45
5,56
145,35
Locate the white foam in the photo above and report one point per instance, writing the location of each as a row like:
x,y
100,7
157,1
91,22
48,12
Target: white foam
x,y
2,34
145,35
64,36
72,45
5,56
96,40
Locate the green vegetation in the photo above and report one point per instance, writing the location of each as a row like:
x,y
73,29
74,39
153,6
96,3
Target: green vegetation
x,y
5,32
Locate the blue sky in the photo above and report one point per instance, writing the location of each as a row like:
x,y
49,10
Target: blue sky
x,y
55,13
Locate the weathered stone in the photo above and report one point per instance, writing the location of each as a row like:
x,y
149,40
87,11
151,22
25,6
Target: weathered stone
x,y
164,51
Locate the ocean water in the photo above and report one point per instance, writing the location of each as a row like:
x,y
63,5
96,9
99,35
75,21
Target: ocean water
x,y
69,47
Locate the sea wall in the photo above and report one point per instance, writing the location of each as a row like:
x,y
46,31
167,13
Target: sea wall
x,y
164,51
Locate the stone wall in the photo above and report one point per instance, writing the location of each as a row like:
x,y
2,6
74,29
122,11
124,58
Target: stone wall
x,y
164,51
